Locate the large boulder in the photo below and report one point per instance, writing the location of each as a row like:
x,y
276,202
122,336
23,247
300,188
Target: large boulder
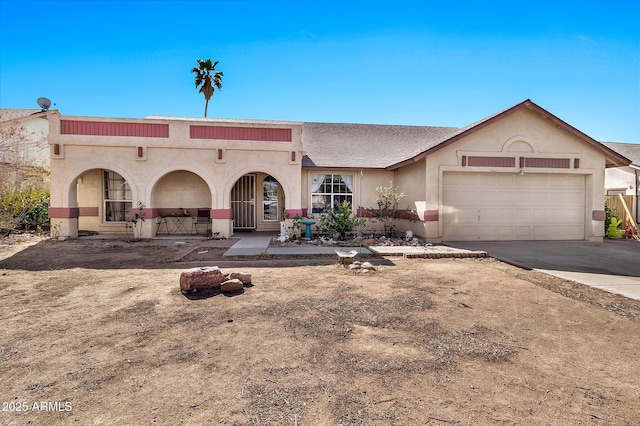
x,y
201,278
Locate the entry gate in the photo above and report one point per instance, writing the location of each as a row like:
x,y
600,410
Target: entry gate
x,y
243,204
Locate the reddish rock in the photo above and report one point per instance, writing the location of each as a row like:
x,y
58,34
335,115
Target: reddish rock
x,y
231,285
201,278
242,276
369,241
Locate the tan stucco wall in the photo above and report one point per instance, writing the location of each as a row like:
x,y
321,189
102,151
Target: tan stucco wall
x,y
174,172
365,182
520,132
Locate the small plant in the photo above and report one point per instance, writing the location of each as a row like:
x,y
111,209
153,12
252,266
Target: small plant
x,y
134,225
26,208
387,201
55,230
296,222
339,222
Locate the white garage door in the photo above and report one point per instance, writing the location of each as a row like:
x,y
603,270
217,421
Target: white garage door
x,y
506,206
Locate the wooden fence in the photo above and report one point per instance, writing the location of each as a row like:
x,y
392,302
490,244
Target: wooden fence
x,y
615,203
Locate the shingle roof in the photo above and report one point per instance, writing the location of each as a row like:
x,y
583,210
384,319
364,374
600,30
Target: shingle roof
x,y
7,114
629,150
366,145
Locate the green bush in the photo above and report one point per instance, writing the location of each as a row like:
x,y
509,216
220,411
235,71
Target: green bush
x,y
339,222
25,208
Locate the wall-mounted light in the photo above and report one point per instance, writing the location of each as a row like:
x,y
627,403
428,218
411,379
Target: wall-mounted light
x,y
522,170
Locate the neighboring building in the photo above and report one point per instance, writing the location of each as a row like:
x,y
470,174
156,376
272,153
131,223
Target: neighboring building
x,y
624,180
520,174
24,137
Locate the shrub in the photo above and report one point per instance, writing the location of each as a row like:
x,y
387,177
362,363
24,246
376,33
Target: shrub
x,y
387,211
25,208
339,222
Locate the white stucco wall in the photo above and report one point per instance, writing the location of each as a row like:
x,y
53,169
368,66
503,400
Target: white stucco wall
x,y
30,147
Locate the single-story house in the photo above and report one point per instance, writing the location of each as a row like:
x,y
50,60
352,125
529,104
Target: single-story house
x,y
520,174
624,180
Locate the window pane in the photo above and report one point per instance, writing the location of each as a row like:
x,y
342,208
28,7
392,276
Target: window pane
x,y
117,211
117,198
270,199
339,199
319,203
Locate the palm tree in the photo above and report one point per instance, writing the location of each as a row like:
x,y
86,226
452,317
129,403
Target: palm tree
x,y
207,78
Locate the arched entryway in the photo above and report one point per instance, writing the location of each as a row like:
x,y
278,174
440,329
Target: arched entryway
x,y
257,203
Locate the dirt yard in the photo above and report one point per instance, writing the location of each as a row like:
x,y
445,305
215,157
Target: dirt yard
x,y
98,332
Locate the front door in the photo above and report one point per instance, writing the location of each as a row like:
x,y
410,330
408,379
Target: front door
x,y
243,202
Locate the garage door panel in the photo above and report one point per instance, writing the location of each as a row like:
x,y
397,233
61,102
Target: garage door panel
x,y
521,215
522,232
503,206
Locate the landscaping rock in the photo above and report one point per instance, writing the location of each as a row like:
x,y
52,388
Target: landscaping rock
x,y
231,285
242,276
201,278
367,265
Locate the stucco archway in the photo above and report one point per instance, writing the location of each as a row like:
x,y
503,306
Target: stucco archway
x,y
257,202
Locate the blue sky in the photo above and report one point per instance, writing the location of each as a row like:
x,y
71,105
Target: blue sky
x,y
442,63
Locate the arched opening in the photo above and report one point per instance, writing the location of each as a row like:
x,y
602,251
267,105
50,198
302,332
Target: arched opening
x,y
105,200
180,190
257,203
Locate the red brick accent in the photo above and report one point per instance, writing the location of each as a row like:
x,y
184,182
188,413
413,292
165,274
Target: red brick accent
x,y
56,149
220,154
293,156
576,163
293,212
492,161
221,214
113,128
140,152
549,163
431,215
63,212
599,215
88,211
240,133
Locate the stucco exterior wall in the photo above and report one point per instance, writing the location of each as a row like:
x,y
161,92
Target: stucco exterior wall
x,y
30,148
163,173
365,182
529,134
620,179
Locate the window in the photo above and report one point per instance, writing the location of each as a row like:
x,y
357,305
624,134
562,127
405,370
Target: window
x,y
329,191
269,199
117,198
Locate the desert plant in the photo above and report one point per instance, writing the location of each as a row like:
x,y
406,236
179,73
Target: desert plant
x,y
25,208
609,214
339,222
387,202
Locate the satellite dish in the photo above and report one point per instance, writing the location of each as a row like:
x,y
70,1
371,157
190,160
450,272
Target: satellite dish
x,y
44,103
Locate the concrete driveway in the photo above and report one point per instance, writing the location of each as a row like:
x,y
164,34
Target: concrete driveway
x,y
613,265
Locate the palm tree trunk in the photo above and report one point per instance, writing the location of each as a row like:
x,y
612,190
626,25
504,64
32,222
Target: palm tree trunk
x,y
206,105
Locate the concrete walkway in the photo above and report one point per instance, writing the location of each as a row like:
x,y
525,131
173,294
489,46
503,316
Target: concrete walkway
x,y
250,244
257,243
